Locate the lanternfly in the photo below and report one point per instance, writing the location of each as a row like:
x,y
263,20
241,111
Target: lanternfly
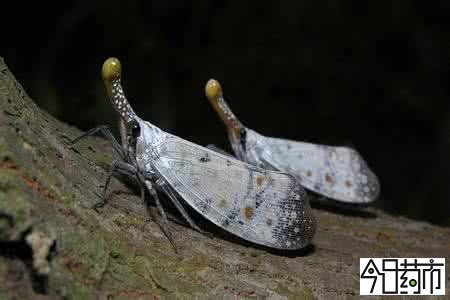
x,y
339,173
265,207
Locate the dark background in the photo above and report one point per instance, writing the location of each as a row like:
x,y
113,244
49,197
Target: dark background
x,y
369,75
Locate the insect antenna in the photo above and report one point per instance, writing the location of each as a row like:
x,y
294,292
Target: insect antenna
x,y
213,91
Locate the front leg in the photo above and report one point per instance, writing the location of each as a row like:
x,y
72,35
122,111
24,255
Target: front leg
x,y
105,132
117,167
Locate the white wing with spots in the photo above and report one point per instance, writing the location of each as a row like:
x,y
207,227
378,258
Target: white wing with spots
x,y
336,172
265,207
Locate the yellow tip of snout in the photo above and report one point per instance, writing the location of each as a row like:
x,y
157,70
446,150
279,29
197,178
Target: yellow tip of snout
x,y
213,90
111,69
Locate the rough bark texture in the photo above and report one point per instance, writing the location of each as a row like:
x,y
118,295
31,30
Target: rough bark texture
x,y
52,244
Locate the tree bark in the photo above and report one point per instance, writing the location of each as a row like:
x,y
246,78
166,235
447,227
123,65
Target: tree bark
x,y
54,245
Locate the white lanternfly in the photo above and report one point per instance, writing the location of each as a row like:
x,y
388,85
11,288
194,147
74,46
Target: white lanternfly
x,y
264,207
339,173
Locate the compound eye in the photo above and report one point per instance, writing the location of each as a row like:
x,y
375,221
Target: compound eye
x,y
135,131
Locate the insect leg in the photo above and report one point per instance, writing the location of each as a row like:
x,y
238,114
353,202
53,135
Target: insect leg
x,y
123,136
147,206
164,223
140,180
168,191
105,131
117,166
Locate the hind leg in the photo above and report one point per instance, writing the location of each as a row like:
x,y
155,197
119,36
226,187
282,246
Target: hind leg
x,y
164,225
168,191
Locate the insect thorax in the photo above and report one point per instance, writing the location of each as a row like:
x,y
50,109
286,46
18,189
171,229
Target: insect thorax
x,y
147,144
248,149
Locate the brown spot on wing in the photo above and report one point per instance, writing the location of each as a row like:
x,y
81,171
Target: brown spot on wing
x,y
328,178
269,222
259,180
348,183
248,212
308,173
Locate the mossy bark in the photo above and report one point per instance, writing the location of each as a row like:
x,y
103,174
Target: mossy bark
x,y
53,244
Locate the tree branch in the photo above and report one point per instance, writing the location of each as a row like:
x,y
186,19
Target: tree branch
x,y
47,190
